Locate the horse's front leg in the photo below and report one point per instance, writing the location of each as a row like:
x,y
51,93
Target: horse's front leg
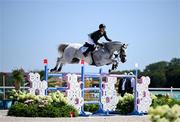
x,y
60,67
114,64
56,66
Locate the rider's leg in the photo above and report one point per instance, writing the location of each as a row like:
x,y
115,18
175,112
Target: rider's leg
x,y
90,48
86,52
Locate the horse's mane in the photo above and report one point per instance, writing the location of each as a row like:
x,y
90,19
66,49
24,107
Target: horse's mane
x,y
114,42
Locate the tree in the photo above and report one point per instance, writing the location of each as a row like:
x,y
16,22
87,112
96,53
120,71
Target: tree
x,y
42,74
18,76
156,72
175,62
173,73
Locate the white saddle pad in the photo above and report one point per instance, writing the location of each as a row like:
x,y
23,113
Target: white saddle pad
x,y
83,49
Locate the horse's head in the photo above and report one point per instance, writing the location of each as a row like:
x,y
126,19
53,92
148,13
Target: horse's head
x,y
119,47
122,53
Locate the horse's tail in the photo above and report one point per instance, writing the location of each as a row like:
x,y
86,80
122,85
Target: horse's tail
x,y
61,48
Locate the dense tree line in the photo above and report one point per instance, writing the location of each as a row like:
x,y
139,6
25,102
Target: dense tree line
x,y
163,74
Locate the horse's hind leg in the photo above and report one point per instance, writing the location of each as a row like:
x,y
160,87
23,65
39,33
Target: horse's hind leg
x,y
74,61
57,64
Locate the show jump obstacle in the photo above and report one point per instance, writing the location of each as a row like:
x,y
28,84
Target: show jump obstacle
x,y
108,98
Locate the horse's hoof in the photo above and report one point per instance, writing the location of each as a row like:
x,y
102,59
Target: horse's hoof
x,y
59,71
52,70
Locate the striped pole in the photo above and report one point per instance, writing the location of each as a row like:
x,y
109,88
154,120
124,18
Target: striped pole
x,y
100,91
83,81
46,73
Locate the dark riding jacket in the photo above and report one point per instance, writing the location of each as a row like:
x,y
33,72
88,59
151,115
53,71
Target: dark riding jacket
x,y
95,36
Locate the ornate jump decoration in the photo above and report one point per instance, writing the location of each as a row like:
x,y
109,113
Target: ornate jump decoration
x,y
108,99
37,86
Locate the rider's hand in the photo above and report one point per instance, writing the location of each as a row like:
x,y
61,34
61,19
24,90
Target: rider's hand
x,y
101,45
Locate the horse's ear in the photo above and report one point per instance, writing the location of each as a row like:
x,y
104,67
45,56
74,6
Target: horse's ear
x,y
126,45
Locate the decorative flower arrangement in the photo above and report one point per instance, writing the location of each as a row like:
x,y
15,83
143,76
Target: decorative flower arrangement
x,y
165,113
30,105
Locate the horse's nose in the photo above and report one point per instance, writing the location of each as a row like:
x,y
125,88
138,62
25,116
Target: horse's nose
x,y
123,60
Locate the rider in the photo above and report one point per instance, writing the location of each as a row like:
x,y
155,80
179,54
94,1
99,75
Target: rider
x,y
93,39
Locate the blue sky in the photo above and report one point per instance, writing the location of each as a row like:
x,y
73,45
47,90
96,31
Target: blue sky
x,y
31,30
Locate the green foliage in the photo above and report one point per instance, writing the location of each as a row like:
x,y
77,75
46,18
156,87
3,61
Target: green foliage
x,y
164,74
41,74
91,107
29,105
173,73
35,110
175,62
20,109
165,113
18,76
159,66
156,72
67,109
1,78
160,100
125,104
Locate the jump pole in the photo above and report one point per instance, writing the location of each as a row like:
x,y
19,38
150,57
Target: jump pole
x,y
82,80
135,111
46,73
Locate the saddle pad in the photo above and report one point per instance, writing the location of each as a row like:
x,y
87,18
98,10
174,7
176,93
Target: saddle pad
x,y
83,49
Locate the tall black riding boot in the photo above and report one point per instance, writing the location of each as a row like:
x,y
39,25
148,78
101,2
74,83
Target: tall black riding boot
x,y
86,52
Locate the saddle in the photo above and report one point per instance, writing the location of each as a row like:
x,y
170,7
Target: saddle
x,y
89,58
83,48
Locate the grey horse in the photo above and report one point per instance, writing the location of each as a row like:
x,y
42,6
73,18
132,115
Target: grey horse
x,y
71,54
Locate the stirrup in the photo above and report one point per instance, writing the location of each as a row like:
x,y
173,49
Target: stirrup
x,y
85,54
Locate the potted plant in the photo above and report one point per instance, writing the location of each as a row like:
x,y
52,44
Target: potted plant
x,y
8,101
18,77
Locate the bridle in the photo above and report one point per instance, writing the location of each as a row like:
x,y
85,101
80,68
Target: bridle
x,y
122,54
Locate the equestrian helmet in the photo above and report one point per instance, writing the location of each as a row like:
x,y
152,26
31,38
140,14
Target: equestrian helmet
x,y
102,26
